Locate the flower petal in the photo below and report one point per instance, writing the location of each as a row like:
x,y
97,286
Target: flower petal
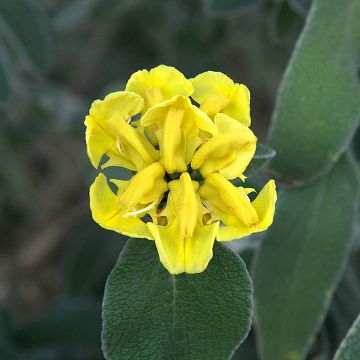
x,y
107,212
239,106
265,208
224,196
170,247
184,202
159,84
229,152
98,142
179,254
133,145
108,132
217,93
211,83
117,160
265,205
147,186
177,124
230,232
198,248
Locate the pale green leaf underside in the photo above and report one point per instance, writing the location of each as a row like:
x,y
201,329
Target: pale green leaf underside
x,y
301,260
150,314
350,347
318,106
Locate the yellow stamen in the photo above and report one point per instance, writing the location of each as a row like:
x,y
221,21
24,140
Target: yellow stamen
x,y
140,211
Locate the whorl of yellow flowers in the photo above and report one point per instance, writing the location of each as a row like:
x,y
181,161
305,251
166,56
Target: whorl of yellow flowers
x,y
189,138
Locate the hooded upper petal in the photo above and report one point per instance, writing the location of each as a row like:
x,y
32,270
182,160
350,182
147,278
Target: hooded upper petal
x,y
179,126
217,93
108,132
229,152
159,84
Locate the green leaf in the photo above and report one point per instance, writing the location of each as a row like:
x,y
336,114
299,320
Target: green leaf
x,y
263,155
151,314
318,106
25,25
229,6
300,261
350,347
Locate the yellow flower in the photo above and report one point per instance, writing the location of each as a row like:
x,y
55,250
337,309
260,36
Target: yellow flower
x,y
178,126
109,132
183,157
159,84
217,93
229,153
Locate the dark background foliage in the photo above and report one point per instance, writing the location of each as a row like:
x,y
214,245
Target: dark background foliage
x,y
56,57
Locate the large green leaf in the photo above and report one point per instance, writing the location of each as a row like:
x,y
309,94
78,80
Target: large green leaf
x,y
318,106
350,347
300,261
150,314
26,25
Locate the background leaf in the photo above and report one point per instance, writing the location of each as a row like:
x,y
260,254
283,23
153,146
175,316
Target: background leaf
x,y
300,262
350,347
86,266
5,75
285,22
150,314
71,321
229,6
300,6
247,350
345,306
318,106
73,14
25,24
263,155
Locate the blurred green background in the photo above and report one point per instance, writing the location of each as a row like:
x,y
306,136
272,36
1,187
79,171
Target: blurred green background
x,y
56,57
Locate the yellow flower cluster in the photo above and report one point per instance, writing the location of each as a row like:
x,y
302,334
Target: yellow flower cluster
x,y
184,140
